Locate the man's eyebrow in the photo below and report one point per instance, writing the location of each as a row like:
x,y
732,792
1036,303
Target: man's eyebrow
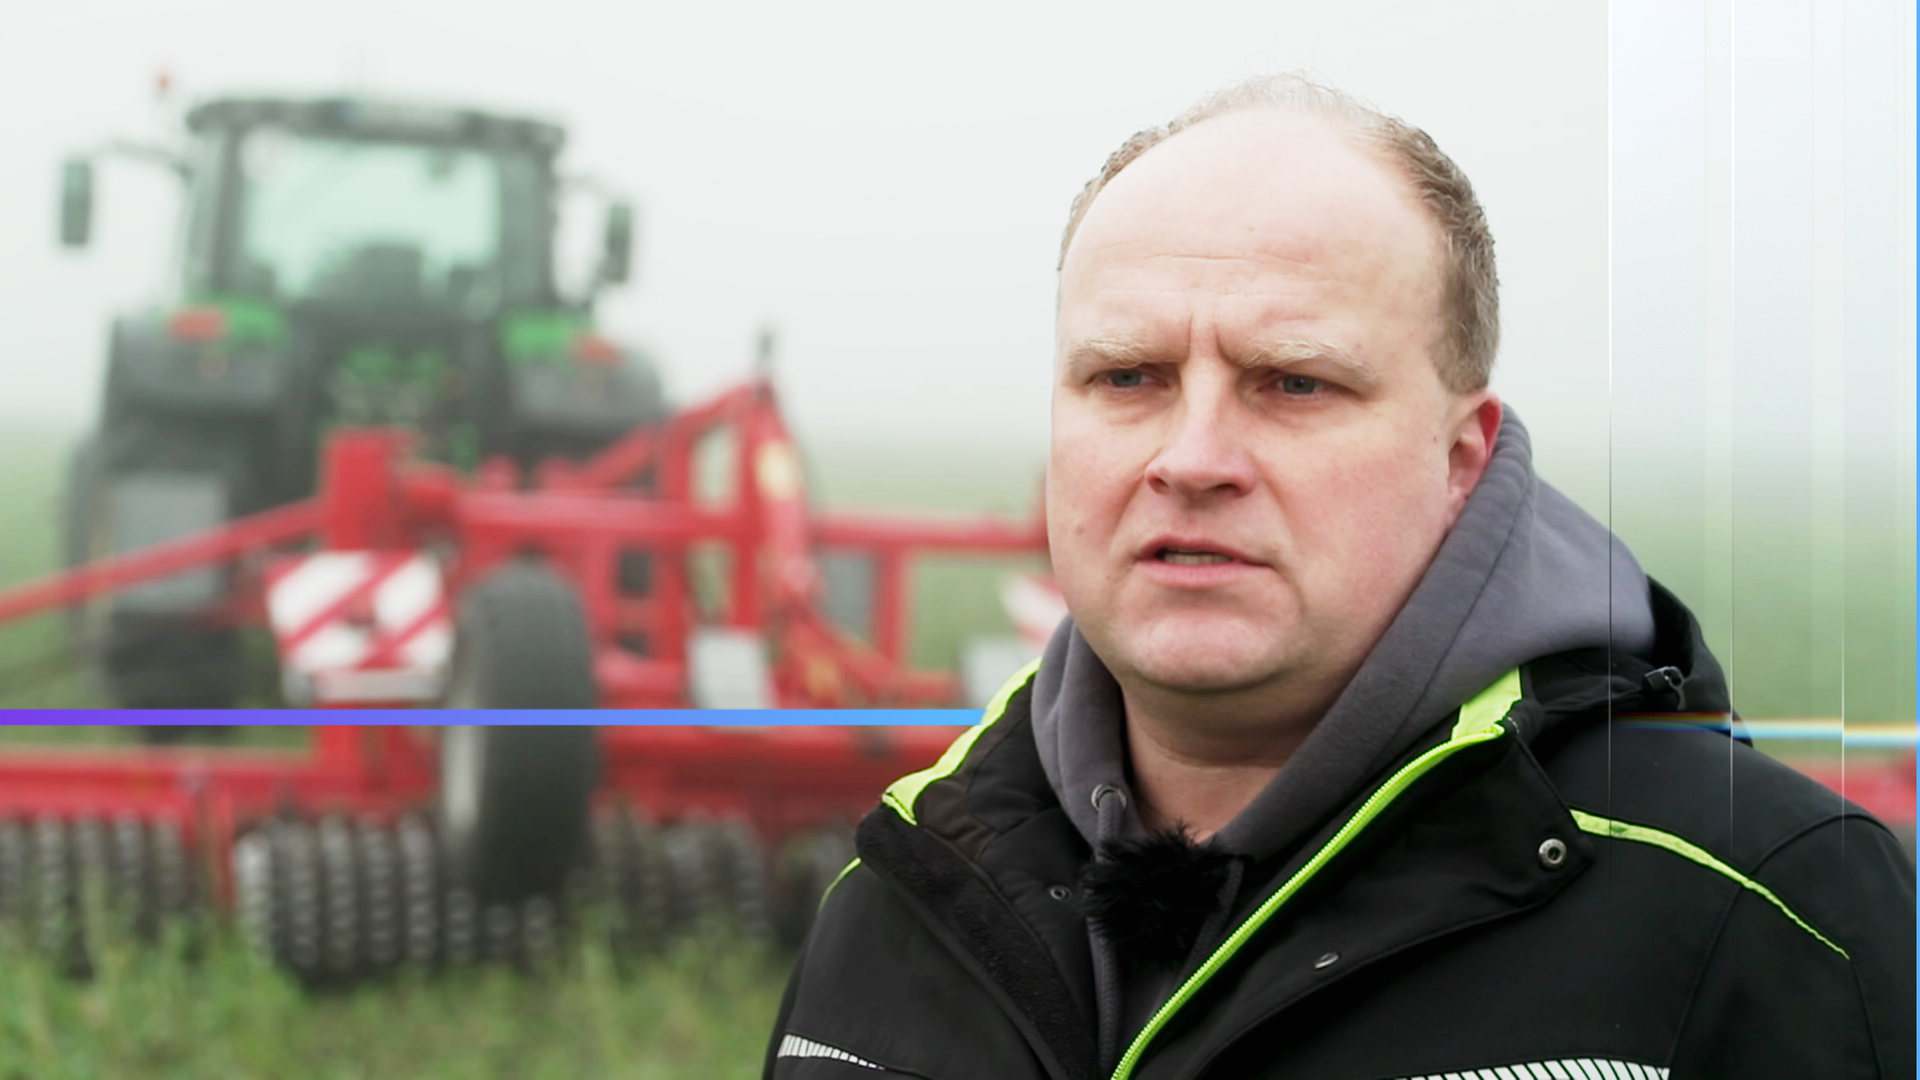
x,y
1111,351
1282,355
1123,351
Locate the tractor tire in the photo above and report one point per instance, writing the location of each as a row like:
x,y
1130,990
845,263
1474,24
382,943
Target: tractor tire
x,y
77,502
139,662
77,524
514,806
149,659
169,663
521,643
514,801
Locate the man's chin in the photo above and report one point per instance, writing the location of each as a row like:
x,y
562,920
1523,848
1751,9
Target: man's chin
x,y
1193,652
1191,668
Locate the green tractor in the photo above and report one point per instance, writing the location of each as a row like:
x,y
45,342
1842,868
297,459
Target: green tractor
x,y
342,262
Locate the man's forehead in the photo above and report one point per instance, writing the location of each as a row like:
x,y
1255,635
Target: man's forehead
x,y
1262,178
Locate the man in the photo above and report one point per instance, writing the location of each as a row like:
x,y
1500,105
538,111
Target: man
x,y
1329,774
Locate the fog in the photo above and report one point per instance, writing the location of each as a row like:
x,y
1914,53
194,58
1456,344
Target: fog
x,y
884,186
1704,215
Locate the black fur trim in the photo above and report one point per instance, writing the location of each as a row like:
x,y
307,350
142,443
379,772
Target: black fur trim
x,y
1151,897
961,903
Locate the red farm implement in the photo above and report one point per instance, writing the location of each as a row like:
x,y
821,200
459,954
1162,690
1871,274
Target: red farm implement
x,y
623,581
387,846
639,591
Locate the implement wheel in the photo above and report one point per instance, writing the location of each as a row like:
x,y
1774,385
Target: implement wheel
x,y
514,800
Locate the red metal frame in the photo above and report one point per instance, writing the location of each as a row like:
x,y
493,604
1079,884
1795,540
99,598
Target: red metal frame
x,y
582,519
638,496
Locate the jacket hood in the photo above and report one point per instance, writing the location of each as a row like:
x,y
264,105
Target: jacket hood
x,y
1523,574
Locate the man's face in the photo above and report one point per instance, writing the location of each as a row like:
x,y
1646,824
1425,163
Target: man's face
x,y
1253,456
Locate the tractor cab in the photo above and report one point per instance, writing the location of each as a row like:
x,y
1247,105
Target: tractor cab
x,y
347,262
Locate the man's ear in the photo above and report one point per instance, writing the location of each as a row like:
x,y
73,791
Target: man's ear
x,y
1474,431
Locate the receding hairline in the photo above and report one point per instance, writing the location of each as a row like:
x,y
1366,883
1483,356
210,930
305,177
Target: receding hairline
x,y
1392,172
1468,332
1349,133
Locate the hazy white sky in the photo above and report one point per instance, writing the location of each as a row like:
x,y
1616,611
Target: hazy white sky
x,y
886,183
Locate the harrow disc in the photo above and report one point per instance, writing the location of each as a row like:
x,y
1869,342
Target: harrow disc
x,y
59,878
717,879
808,865
629,879
708,875
344,900
339,901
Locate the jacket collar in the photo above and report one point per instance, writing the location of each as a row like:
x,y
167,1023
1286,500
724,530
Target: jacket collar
x,y
988,840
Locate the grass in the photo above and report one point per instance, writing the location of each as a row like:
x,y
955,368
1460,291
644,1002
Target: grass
x,y
214,1011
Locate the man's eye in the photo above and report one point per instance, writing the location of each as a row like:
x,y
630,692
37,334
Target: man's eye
x,y
1125,378
1299,384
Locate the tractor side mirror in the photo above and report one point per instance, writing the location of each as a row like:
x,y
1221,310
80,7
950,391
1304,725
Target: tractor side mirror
x,y
616,261
76,203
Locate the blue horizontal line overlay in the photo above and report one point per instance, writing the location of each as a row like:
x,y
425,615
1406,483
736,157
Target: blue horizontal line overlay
x,y
1851,734
436,717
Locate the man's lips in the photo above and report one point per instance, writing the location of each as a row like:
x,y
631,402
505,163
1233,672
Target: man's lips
x,y
1193,551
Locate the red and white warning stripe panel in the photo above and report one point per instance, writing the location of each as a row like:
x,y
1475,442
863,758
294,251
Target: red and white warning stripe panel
x,y
360,626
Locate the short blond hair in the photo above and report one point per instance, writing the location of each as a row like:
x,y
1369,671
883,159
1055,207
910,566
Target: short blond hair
x,y
1470,288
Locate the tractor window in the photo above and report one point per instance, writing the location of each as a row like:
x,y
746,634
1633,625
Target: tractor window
x,y
368,221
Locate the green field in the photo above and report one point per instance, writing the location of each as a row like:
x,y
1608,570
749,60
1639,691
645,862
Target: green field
x,y
210,1010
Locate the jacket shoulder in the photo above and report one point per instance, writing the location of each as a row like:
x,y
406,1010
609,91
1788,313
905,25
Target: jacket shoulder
x,y
867,985
1808,942
1719,794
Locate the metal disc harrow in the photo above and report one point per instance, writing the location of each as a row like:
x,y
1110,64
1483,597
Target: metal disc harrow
x,y
56,875
337,901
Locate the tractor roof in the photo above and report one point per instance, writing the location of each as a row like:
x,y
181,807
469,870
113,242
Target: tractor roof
x,y
373,118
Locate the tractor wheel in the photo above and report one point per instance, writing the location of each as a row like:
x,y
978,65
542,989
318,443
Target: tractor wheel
x,y
514,807
165,656
521,643
77,539
77,505
514,800
171,663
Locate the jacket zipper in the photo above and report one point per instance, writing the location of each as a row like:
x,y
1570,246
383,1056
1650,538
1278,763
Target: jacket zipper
x,y
1396,785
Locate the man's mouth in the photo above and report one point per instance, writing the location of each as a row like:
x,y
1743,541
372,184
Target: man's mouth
x,y
1181,557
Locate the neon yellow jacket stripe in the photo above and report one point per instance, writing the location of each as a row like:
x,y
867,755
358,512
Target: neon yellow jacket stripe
x,y
1621,830
1479,722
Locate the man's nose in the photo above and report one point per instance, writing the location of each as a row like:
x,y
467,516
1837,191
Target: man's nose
x,y
1204,455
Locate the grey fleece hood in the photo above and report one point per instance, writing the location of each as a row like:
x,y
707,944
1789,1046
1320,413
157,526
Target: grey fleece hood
x,y
1524,573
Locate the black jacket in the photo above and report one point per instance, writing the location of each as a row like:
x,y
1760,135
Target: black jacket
x,y
1588,887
